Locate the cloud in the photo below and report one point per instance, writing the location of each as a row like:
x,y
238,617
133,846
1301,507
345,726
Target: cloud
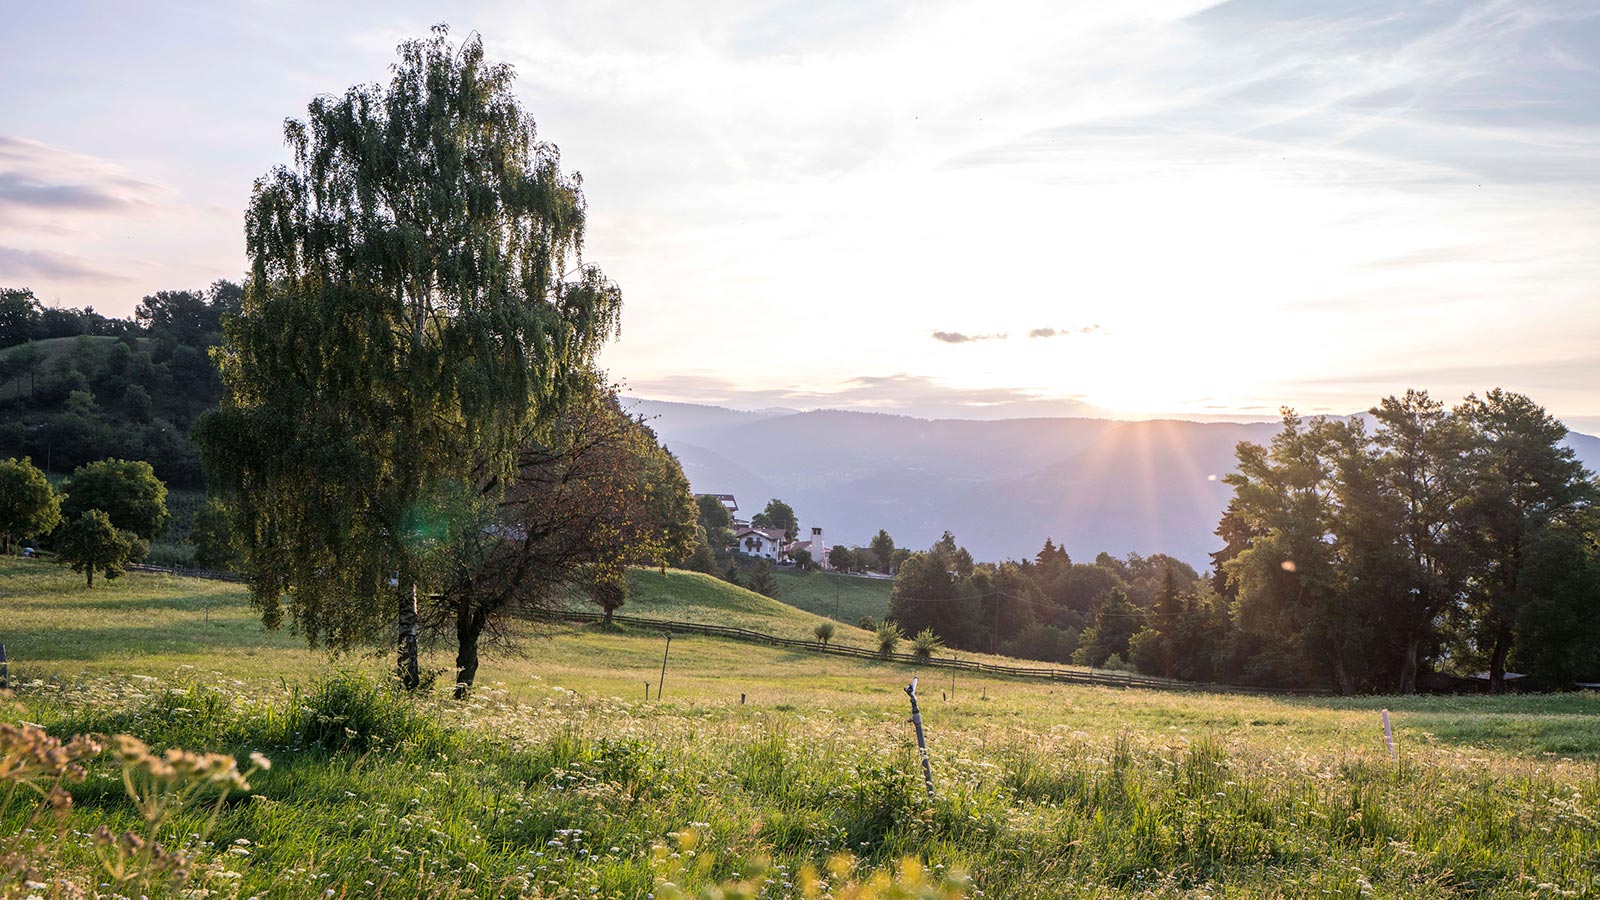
x,y
956,337
18,265
1062,332
903,393
36,176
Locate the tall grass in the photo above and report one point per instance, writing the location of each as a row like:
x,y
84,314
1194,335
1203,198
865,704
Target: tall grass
x,y
373,793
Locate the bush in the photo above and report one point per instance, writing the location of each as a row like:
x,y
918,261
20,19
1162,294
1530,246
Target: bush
x,y
889,637
824,632
926,644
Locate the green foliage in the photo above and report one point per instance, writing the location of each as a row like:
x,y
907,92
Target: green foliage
x,y
888,637
926,644
128,491
841,559
882,547
348,712
824,632
90,543
608,589
216,542
408,324
779,515
762,580
28,505
1360,561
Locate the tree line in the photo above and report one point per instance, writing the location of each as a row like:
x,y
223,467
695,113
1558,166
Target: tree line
x,y
121,388
1391,553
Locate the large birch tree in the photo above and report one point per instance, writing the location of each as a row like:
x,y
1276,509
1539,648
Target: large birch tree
x,y
417,301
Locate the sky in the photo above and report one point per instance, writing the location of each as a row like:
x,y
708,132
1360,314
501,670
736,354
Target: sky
x,y
976,209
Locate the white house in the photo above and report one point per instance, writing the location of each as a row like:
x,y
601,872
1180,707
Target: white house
x,y
766,543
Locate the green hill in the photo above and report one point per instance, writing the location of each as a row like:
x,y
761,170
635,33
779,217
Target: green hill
x,y
693,597
845,598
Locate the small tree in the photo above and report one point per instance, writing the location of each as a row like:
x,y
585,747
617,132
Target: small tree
x,y
889,637
91,543
883,549
762,581
778,514
802,559
926,644
127,490
608,589
841,559
824,632
28,506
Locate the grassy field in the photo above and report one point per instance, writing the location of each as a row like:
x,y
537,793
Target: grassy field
x,y
845,598
557,779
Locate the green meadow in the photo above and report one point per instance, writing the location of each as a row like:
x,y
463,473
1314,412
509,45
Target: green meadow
x,y
558,779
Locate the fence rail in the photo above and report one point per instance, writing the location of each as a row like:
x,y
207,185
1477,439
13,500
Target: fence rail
x,y
186,572
1110,679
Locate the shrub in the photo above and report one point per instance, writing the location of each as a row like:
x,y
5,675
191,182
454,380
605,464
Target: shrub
x,y
824,632
926,644
889,637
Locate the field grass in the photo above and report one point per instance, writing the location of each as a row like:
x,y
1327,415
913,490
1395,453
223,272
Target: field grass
x,y
845,598
557,779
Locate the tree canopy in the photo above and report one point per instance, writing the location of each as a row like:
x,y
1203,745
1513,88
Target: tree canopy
x,y
28,505
128,491
416,304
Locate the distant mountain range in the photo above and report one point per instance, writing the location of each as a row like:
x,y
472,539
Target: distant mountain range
x,y
1002,486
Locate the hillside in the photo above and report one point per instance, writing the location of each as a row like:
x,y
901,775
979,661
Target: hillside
x,y
1002,486
558,780
844,598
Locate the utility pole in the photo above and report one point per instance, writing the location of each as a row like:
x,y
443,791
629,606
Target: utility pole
x,y
994,641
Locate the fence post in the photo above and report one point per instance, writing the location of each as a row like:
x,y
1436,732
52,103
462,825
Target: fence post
x,y
5,669
662,686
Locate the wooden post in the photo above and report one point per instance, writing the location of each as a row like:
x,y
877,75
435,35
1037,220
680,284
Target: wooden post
x,y
5,669
662,686
1388,735
647,692
741,699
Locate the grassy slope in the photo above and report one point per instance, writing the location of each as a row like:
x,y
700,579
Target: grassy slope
x,y
51,348
845,598
1046,790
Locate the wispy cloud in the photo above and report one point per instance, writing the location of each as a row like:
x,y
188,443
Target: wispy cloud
x,y
957,337
1062,332
39,177
20,267
908,394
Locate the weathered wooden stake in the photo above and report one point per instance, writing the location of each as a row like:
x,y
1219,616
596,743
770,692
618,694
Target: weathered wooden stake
x,y
647,692
922,743
5,669
1388,735
662,686
741,699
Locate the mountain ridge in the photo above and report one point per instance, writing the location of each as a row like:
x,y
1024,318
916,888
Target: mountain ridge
x,y
1001,485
